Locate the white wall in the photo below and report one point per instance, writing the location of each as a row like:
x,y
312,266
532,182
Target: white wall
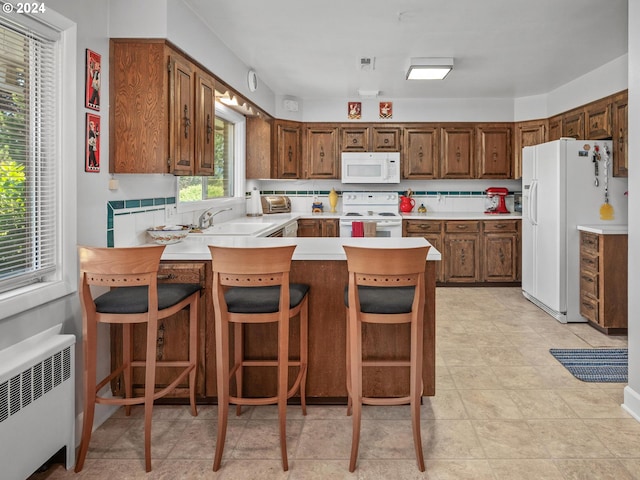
x,y
632,391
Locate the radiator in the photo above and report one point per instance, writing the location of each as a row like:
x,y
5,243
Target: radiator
x,y
37,402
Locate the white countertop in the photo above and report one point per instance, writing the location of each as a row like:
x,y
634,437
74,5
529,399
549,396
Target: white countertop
x,y
195,247
605,229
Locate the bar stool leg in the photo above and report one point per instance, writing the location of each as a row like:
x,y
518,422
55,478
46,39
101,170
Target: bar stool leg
x,y
416,389
149,390
194,310
238,356
222,361
90,346
304,353
355,346
283,386
127,358
348,363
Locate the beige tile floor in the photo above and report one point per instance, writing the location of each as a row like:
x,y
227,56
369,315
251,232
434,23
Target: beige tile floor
x,y
504,409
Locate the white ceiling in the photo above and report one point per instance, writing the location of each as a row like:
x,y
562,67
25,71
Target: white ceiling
x,y
502,48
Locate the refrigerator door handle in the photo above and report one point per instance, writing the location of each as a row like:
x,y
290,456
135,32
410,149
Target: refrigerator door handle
x,y
533,203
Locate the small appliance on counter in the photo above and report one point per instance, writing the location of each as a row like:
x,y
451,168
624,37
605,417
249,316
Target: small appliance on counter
x,y
495,200
276,204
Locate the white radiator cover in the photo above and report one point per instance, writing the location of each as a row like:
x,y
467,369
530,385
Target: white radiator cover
x,y
37,402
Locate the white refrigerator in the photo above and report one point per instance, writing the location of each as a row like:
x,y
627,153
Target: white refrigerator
x,y
563,187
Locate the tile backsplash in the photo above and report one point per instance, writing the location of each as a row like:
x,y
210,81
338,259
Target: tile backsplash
x,y
128,220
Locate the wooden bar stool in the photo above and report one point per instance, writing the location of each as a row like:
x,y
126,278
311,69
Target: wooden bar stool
x,y
251,285
135,297
386,286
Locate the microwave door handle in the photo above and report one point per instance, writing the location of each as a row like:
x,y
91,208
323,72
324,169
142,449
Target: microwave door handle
x,y
385,170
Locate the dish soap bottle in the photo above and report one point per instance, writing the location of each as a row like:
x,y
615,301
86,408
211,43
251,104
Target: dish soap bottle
x,y
333,200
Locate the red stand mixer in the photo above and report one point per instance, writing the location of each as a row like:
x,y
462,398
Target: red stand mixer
x,y
496,200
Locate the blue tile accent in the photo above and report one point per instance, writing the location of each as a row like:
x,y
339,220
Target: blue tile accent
x,y
159,201
110,241
132,204
117,204
146,202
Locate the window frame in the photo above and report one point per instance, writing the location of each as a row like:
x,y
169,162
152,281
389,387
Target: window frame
x,y
239,180
64,280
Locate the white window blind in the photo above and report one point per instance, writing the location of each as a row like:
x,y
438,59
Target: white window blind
x,y
28,166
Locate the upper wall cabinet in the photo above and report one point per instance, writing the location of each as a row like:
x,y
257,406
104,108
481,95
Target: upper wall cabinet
x,y
287,149
420,152
620,136
555,128
494,153
573,124
321,152
354,139
162,111
598,120
457,152
259,148
526,134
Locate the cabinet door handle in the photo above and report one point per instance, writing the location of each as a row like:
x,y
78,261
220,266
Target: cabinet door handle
x,y
500,226
209,128
462,227
187,121
169,276
160,342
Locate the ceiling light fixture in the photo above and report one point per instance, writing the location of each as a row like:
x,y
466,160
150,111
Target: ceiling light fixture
x,y
422,68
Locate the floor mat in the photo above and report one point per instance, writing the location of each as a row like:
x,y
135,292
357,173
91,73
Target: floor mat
x,y
608,365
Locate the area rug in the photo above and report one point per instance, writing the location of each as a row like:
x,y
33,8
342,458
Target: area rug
x,y
594,364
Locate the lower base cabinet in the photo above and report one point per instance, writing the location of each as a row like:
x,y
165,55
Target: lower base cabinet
x,y
325,227
603,281
473,251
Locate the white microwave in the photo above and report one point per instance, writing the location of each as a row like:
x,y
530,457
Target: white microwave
x,y
371,167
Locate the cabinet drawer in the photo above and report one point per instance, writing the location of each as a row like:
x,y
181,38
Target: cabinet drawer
x,y
589,284
181,273
589,262
423,227
462,226
589,242
501,226
589,308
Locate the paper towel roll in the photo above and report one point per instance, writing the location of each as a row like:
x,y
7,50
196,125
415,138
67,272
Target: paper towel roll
x,y
255,205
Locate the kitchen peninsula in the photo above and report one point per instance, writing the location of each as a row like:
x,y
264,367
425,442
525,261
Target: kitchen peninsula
x,y
320,262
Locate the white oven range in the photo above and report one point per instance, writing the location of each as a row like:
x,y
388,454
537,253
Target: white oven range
x,y
378,207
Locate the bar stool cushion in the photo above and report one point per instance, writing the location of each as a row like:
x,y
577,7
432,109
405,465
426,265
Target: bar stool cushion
x,y
262,299
134,299
383,300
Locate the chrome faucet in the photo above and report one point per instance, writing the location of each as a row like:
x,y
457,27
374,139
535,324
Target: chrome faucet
x,y
207,217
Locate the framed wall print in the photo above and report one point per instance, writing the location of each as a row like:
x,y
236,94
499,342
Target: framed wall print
x,y
386,110
92,81
92,143
354,110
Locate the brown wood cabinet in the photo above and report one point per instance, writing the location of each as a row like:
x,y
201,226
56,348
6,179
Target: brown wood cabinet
x,y
287,145
555,128
259,148
493,151
457,152
354,139
573,124
526,134
500,258
205,121
598,120
603,281
160,105
173,336
473,251
461,254
386,139
321,152
620,136
420,153
321,227
432,231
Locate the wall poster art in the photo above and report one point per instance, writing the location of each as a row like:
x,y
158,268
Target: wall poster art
x,y
354,110
92,81
92,143
386,110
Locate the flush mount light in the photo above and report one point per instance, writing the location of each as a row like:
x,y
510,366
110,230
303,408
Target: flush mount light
x,y
368,93
429,68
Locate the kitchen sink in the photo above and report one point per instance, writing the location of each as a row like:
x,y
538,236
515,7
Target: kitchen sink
x,y
233,228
